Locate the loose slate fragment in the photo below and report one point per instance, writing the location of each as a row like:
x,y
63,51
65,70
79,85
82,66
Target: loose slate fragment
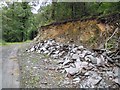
x,y
84,64
32,49
99,61
75,56
76,80
117,80
66,61
94,80
91,58
78,64
71,70
80,47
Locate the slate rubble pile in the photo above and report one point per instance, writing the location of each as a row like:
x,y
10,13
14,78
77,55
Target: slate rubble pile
x,y
87,69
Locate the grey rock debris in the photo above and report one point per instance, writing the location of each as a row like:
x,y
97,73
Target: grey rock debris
x,y
89,69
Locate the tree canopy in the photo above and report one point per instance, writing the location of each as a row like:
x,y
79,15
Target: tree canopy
x,y
20,24
17,22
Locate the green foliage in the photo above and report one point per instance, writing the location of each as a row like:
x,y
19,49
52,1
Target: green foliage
x,y
75,10
2,42
44,15
17,22
20,24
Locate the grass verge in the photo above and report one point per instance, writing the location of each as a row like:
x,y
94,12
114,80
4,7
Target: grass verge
x,y
3,43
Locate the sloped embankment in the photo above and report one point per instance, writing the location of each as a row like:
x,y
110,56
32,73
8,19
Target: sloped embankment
x,y
82,67
92,33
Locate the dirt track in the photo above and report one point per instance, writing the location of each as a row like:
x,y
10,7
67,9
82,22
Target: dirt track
x,y
37,70
10,67
16,72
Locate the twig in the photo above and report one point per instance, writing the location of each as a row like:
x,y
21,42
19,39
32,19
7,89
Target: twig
x,y
110,37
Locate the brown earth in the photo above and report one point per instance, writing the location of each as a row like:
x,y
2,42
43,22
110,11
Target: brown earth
x,y
89,33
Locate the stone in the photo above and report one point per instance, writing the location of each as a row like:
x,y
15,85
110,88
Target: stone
x,y
44,82
110,73
116,71
91,58
87,74
61,61
90,73
90,66
58,47
35,67
28,51
84,64
78,64
70,54
57,52
88,52
42,49
46,52
61,53
100,61
78,52
28,61
66,61
116,80
82,55
76,80
74,50
71,70
55,56
38,51
67,66
75,56
27,66
80,47
32,49
66,82
45,60
94,80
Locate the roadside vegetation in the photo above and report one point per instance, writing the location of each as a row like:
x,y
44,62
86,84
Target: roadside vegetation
x,y
4,43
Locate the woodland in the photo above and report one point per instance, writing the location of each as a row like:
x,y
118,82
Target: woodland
x,y
20,24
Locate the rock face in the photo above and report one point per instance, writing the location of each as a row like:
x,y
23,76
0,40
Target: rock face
x,y
88,69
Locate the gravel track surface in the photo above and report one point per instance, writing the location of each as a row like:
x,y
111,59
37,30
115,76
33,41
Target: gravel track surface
x,y
38,71
10,66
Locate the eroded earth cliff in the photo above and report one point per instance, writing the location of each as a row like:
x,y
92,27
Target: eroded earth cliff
x,y
92,33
